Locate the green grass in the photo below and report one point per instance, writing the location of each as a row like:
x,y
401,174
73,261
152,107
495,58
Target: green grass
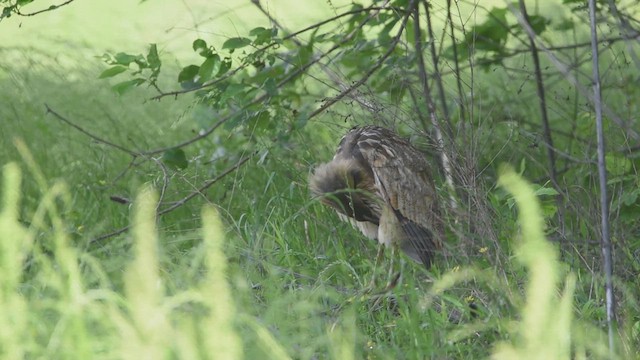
x,y
268,273
65,299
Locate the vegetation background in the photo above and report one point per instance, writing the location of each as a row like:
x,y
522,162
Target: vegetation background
x,y
231,106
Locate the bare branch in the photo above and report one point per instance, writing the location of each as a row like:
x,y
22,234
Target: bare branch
x,y
89,134
392,46
546,128
566,72
50,8
291,36
628,31
436,71
206,185
184,200
602,171
456,63
431,107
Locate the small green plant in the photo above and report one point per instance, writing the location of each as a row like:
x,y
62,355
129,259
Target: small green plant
x,y
546,326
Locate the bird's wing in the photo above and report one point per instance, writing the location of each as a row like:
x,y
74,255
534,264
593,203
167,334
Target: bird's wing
x,y
402,177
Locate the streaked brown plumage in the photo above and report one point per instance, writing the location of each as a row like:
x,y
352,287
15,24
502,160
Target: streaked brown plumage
x,y
382,184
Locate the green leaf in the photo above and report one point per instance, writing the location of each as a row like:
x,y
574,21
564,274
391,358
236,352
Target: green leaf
x,y
538,23
257,31
546,191
271,87
209,67
384,37
152,57
400,4
410,35
566,24
236,43
461,49
263,35
397,92
261,121
301,118
199,45
617,165
523,166
629,198
303,57
125,86
175,158
225,66
188,73
125,59
492,34
112,71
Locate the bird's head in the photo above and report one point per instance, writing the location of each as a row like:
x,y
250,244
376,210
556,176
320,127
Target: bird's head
x,y
339,175
344,185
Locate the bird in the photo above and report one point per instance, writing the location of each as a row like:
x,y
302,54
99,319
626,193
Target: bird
x,y
383,185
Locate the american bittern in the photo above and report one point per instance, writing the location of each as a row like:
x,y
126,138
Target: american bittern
x,y
382,184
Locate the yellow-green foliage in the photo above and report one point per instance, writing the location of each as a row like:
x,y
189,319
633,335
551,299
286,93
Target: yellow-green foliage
x,y
144,289
544,331
98,322
216,292
14,244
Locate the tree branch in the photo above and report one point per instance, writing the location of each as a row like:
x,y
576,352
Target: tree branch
x,y
566,72
89,134
182,201
392,46
50,8
266,47
602,171
431,107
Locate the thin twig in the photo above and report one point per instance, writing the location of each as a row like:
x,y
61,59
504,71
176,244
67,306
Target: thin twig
x,y
50,8
431,108
110,235
436,71
456,63
294,74
182,201
628,32
206,185
373,12
566,72
546,128
367,75
165,182
515,52
602,171
89,134
213,82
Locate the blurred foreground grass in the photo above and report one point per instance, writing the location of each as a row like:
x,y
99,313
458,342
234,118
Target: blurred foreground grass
x,y
54,308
